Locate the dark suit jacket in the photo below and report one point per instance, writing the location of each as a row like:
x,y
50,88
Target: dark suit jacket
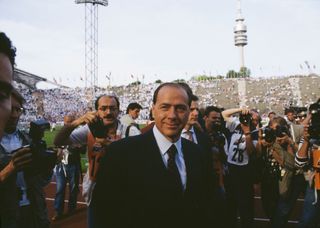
x,y
133,188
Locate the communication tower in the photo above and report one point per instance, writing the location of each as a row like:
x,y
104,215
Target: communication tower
x,y
240,36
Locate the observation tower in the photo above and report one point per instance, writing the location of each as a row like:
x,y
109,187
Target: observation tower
x,y
240,36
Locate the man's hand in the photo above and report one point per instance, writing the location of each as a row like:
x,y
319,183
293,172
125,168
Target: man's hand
x,y
108,140
244,111
284,140
21,159
87,118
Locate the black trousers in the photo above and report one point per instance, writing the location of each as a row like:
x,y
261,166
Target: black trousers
x,y
239,196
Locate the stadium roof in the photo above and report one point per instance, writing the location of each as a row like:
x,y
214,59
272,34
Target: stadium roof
x,y
30,80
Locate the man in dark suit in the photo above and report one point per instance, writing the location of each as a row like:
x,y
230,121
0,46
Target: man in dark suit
x,y
192,130
157,179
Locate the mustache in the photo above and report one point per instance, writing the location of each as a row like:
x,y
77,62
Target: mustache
x,y
109,116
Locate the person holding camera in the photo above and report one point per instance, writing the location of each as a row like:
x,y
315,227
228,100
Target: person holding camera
x,y
97,130
239,193
68,169
31,177
8,164
281,185
218,141
215,131
7,61
308,159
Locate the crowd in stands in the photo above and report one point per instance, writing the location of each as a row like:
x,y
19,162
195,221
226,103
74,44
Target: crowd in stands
x,y
262,94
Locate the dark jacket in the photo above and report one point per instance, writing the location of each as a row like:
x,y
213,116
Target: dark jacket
x,y
132,187
9,196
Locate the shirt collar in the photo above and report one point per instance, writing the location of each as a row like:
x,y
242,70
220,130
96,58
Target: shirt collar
x,y
163,143
191,130
11,134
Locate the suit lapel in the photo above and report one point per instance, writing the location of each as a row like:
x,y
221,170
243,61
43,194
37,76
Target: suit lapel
x,y
153,159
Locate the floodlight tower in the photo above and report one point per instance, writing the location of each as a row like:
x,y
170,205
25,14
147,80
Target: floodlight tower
x,y
240,37
91,41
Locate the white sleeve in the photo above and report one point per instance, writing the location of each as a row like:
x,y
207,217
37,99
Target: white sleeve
x,y
233,124
79,135
134,131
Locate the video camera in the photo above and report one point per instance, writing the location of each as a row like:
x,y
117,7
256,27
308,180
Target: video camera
x,y
43,158
270,134
314,127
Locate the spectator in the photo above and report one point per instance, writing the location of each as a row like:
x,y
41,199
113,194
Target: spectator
x,y
132,113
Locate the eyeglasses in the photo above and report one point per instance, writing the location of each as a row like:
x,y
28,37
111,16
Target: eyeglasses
x,y
18,110
111,108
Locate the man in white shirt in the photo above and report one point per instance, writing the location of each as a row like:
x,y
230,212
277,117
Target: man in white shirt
x,y
128,120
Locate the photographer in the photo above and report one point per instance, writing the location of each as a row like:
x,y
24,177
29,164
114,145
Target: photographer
x,y
308,159
214,128
218,142
280,183
239,192
97,130
68,169
31,177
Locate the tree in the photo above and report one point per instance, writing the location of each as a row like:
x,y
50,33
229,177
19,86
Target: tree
x,y
135,83
232,74
158,81
179,80
244,72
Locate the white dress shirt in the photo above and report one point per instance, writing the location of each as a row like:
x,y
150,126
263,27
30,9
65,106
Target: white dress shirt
x,y
185,135
164,144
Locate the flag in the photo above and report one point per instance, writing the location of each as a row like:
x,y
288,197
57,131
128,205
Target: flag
x,y
301,67
306,62
108,76
132,76
81,78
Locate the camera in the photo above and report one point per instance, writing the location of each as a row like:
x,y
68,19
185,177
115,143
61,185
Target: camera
x,y
43,158
97,128
245,119
314,127
217,138
270,134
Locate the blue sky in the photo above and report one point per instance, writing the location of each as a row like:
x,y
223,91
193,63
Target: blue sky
x,y
163,39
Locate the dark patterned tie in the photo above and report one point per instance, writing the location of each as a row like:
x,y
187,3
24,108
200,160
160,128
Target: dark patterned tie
x,y
173,169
